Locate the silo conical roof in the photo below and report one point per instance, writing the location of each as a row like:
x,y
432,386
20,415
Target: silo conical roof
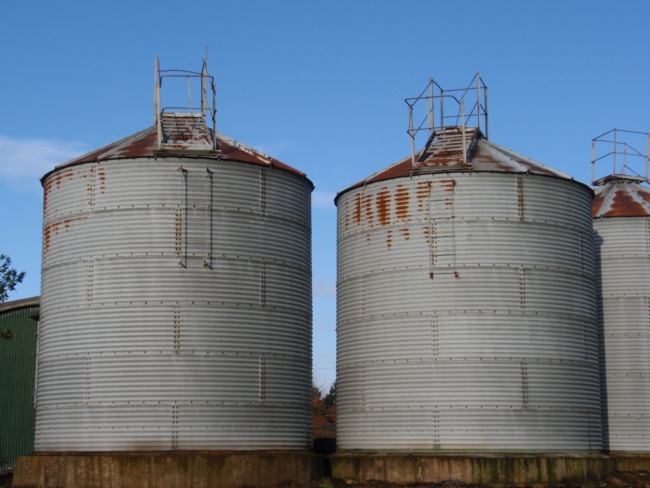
x,y
621,196
178,139
445,155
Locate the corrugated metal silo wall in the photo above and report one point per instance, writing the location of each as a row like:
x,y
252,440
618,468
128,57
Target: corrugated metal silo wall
x,y
17,371
466,315
623,270
176,307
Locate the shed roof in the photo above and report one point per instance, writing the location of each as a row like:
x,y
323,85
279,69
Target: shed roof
x,y
18,304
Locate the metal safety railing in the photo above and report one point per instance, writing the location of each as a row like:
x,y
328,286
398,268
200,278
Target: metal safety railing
x,y
620,146
439,116
206,107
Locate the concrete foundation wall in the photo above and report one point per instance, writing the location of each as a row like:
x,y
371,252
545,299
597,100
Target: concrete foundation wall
x,y
166,470
632,462
483,469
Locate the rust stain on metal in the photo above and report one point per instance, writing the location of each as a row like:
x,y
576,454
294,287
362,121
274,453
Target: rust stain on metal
x,y
67,222
47,188
368,237
625,204
63,174
367,206
46,239
54,228
383,206
405,233
357,208
102,178
422,193
47,235
389,238
402,197
347,214
447,185
53,182
620,198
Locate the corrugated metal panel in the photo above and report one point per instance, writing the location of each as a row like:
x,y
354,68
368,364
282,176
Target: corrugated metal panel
x,y
467,315
17,372
623,264
176,309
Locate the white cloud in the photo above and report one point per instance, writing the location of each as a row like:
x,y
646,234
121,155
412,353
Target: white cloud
x,y
26,160
323,199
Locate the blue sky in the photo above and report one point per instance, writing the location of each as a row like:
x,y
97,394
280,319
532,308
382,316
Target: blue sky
x,y
319,85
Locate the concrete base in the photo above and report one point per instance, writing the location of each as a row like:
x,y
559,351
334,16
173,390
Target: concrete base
x,y
190,469
501,469
632,462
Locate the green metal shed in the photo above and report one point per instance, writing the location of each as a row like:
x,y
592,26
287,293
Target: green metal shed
x,y
17,377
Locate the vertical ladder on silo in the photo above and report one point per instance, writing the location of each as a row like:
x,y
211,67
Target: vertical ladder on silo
x,y
442,227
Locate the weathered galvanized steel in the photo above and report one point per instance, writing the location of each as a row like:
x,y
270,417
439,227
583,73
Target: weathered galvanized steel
x,y
466,308
17,373
622,238
176,301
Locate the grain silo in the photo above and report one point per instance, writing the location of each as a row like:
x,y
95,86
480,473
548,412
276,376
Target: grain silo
x,y
176,293
466,311
621,213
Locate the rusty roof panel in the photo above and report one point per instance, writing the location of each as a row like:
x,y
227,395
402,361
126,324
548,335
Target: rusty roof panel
x,y
621,197
144,144
445,155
